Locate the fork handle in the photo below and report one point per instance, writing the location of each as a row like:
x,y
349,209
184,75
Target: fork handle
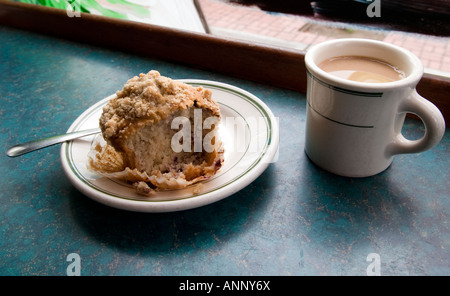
x,y
23,148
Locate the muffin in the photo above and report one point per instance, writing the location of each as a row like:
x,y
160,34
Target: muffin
x,y
159,134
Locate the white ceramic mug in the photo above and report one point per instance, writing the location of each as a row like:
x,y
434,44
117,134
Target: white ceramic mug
x,y
354,128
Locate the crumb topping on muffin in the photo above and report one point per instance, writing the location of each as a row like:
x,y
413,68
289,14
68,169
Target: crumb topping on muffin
x,y
149,98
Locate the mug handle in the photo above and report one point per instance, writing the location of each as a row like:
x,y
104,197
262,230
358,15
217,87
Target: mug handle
x,y
433,120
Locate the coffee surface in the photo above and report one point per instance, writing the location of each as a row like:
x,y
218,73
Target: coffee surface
x,y
361,69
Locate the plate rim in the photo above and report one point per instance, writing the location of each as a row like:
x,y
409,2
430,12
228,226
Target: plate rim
x,y
251,172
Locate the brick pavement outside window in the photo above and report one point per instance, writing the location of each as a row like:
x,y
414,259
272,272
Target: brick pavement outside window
x,y
292,31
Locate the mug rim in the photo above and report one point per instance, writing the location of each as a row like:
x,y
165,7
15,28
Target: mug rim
x,y
410,80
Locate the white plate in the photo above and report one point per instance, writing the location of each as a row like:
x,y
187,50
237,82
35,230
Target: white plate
x,y
250,134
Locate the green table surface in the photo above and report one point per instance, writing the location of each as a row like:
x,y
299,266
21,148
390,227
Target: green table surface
x,y
295,219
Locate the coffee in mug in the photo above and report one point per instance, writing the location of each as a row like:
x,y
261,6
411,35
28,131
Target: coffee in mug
x,y
354,128
363,69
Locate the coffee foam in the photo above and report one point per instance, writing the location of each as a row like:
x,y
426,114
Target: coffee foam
x,y
362,69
